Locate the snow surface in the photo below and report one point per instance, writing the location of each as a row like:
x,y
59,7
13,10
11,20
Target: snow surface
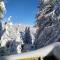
x,y
53,48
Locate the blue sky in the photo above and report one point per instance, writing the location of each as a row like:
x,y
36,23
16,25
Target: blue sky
x,y
22,11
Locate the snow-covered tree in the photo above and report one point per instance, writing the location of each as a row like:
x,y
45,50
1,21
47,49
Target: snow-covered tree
x,y
48,23
11,47
2,11
27,36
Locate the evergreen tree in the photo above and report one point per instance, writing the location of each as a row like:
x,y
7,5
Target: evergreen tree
x,y
27,36
47,22
0,29
2,11
11,47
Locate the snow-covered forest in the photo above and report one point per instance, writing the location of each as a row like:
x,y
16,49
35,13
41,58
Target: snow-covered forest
x,y
18,38
14,38
47,23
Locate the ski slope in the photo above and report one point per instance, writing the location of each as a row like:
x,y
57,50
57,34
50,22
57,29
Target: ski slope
x,y
53,48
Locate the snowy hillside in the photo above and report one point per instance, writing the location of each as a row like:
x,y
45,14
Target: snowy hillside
x,y
48,23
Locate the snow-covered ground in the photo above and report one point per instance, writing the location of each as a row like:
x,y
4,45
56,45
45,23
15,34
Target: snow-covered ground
x,y
53,48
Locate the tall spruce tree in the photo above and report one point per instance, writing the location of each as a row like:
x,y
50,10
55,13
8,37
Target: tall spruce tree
x,y
47,23
27,36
